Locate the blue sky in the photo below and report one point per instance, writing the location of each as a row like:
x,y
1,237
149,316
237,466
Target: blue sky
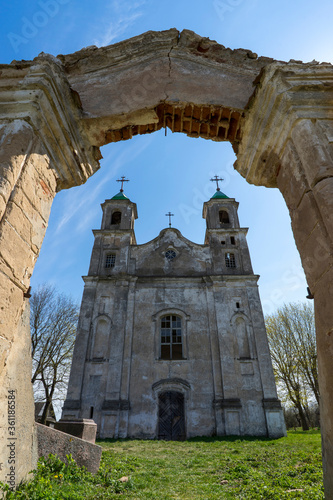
x,y
170,172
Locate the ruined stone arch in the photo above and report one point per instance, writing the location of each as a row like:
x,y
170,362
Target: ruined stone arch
x,y
278,117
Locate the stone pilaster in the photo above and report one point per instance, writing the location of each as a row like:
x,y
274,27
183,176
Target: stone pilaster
x,y
127,358
215,354
288,143
42,151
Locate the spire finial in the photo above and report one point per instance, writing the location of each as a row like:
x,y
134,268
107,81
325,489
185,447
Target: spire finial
x,y
169,215
122,180
216,179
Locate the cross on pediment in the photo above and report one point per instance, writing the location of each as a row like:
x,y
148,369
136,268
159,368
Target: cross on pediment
x,y
217,179
169,215
122,180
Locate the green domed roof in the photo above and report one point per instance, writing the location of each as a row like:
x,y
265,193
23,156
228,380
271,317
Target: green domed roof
x,y
120,196
219,194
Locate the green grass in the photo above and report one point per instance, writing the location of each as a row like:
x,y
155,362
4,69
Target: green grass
x,y
198,469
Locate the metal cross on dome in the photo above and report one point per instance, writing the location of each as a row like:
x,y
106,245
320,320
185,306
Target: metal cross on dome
x,y
122,180
169,215
216,179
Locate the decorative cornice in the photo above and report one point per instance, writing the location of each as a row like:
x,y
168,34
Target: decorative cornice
x,y
44,99
285,94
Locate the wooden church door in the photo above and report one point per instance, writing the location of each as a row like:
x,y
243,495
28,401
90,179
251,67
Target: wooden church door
x,y
171,418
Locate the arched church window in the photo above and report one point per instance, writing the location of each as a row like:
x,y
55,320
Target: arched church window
x,y
224,217
242,338
171,337
110,260
116,218
230,260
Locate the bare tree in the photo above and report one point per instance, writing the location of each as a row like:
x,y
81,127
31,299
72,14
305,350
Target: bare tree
x,y
299,322
291,335
53,321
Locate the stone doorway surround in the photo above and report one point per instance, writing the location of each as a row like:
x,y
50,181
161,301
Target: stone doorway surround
x,y
56,112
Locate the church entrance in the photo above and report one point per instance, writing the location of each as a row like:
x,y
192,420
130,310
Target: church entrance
x,y
171,417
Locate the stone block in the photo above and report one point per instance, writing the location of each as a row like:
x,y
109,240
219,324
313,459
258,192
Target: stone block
x,y
304,218
40,162
5,186
323,293
15,145
326,127
18,220
30,216
316,161
82,428
316,255
291,179
323,193
61,444
17,254
11,305
38,189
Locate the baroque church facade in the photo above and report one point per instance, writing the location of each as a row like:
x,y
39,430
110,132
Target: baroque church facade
x,y
171,340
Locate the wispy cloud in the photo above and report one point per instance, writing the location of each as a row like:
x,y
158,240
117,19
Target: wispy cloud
x,y
121,17
84,199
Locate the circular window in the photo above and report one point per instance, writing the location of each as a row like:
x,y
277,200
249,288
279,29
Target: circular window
x,y
170,254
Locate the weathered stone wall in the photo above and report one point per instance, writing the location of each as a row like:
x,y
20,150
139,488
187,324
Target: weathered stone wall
x,y
29,187
224,372
37,158
288,143
59,443
131,365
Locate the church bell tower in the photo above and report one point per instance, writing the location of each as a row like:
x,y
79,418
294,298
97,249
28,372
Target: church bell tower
x,y
116,234
224,235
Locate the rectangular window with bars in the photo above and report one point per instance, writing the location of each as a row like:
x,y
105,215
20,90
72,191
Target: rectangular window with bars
x,y
110,260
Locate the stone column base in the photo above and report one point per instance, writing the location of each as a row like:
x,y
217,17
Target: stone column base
x,y
83,428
